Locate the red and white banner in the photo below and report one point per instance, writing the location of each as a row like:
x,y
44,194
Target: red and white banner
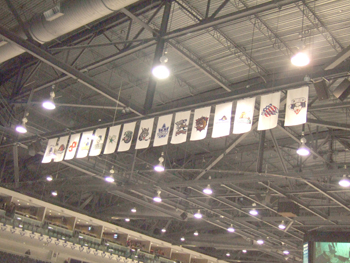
x,y
97,142
180,129
112,139
72,146
50,151
163,129
84,145
145,133
200,123
222,120
296,106
269,110
244,116
126,137
61,148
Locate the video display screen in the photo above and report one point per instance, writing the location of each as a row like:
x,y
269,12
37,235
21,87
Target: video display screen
x,y
332,252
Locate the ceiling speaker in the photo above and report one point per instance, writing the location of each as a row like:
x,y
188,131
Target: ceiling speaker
x,y
343,90
321,90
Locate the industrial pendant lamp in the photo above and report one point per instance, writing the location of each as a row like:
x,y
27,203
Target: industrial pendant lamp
x,y
198,215
303,150
254,212
282,226
208,190
344,182
157,198
110,178
160,167
231,229
50,104
22,128
161,71
300,59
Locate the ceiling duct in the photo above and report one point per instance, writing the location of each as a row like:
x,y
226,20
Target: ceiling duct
x,y
73,14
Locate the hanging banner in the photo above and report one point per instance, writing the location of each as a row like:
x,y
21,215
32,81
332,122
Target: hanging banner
x,y
244,116
84,145
269,109
162,132
145,133
72,146
296,106
112,139
50,151
61,148
180,130
97,142
126,137
222,120
200,123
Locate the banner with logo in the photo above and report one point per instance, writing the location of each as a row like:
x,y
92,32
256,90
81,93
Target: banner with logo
x,y
50,151
200,123
84,145
296,106
145,133
222,120
180,129
112,139
97,142
269,109
126,137
61,148
72,146
244,116
163,128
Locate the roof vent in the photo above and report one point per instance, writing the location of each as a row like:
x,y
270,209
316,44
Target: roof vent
x,y
53,13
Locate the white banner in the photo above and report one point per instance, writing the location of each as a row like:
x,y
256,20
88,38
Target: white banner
x,y
244,116
112,139
163,128
200,123
296,106
72,146
145,133
269,109
97,142
84,145
222,120
180,130
126,137
61,148
50,151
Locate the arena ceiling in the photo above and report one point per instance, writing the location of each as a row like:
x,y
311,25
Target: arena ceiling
x,y
218,51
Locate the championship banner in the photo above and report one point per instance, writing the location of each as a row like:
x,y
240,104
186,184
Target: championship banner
x,y
162,131
145,133
269,109
180,130
244,116
296,106
72,146
200,123
112,139
222,120
84,145
50,151
61,148
126,137
97,142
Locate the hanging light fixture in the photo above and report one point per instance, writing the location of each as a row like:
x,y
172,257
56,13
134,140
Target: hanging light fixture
x,y
49,178
160,167
260,241
133,210
198,215
22,128
127,219
254,212
157,198
208,190
231,229
300,59
303,150
110,178
344,182
50,104
182,239
163,230
228,254
161,71
196,233
282,226
286,252
244,251
54,193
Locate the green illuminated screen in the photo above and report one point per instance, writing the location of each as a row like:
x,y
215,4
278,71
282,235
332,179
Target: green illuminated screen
x,y
332,252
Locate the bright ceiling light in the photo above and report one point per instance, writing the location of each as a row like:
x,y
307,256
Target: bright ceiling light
x,y
50,104
195,233
127,219
49,178
208,190
286,252
260,242
303,150
22,128
198,215
182,239
133,210
163,230
244,251
54,193
161,71
160,167
282,226
231,229
253,212
300,59
228,254
109,179
157,198
344,182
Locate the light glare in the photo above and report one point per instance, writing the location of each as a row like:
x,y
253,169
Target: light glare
x,y
21,129
157,199
109,179
300,59
253,212
49,105
161,72
208,190
344,182
260,241
159,168
303,150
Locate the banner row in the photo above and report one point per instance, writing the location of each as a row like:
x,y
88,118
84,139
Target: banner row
x,y
92,143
